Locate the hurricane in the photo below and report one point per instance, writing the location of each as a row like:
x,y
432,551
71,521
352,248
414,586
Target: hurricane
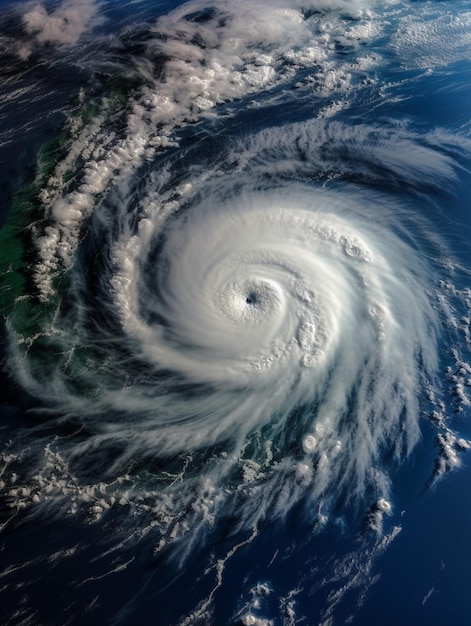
x,y
235,293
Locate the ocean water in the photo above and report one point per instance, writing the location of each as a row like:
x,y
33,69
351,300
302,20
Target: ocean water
x,y
236,301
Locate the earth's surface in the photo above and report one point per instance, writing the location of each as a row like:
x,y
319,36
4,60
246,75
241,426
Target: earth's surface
x,y
235,286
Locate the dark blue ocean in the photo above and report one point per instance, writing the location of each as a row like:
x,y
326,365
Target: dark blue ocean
x,y
236,313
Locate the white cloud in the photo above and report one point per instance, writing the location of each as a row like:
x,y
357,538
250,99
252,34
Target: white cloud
x,y
63,25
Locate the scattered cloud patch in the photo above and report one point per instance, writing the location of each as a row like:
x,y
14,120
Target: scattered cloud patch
x,y
63,25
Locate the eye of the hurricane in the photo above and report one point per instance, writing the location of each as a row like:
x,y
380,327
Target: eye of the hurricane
x,y
256,301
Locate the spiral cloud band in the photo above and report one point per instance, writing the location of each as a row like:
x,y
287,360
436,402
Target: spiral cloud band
x,y
228,299
280,332
287,292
